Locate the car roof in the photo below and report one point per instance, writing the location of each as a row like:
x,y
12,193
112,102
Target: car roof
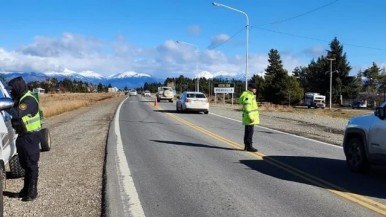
x,y
191,92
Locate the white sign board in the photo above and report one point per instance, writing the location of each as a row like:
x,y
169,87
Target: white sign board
x,y
224,90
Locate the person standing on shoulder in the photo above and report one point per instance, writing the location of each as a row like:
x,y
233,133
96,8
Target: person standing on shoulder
x,y
250,115
26,122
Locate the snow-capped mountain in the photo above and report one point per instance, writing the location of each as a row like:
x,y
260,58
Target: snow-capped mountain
x,y
129,79
129,74
121,80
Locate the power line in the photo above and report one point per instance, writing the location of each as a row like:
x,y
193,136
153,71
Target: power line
x,y
316,39
225,41
275,22
300,15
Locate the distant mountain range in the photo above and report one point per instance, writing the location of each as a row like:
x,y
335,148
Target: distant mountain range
x,y
121,80
128,79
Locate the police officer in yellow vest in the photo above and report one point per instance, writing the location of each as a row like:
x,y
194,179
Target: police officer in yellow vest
x,y
250,115
26,122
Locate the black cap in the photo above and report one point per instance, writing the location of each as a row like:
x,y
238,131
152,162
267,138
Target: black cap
x,y
252,86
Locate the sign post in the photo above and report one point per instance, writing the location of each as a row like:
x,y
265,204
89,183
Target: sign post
x,y
225,89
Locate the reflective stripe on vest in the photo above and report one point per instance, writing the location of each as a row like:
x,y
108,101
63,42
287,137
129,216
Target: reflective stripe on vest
x,y
254,110
31,123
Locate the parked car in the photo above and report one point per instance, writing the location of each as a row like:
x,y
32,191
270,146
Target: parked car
x,y
359,104
364,140
146,93
132,92
192,101
165,93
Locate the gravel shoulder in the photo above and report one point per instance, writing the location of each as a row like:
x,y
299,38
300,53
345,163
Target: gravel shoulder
x,y
71,174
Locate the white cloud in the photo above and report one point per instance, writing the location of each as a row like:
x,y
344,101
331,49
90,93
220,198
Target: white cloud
x,y
170,59
217,40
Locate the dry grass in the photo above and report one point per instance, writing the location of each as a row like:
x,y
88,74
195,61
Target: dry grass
x,y
55,104
344,113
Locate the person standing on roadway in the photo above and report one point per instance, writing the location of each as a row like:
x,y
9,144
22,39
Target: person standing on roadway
x,y
27,124
250,115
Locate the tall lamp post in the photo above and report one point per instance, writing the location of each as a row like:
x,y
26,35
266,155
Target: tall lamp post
x,y
247,26
330,79
197,56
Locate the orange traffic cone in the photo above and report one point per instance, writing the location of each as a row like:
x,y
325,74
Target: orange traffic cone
x,y
155,103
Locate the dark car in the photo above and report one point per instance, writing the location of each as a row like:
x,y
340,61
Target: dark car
x,y
359,104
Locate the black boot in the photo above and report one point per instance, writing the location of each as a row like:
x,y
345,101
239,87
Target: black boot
x,y
23,192
32,190
250,148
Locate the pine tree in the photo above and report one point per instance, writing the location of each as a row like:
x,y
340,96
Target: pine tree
x,y
276,79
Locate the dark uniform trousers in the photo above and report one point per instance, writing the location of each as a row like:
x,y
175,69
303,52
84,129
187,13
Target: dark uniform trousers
x,y
27,145
248,135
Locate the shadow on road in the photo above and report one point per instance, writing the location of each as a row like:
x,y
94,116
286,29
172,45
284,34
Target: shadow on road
x,y
194,145
332,171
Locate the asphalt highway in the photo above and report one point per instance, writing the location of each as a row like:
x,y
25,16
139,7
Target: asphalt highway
x,y
163,163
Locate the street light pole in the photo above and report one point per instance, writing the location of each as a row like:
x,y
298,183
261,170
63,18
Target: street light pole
x,y
330,79
197,56
247,27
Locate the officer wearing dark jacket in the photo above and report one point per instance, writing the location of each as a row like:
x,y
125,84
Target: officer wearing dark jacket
x,y
26,122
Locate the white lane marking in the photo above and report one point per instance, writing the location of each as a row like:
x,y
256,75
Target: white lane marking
x,y
129,190
278,131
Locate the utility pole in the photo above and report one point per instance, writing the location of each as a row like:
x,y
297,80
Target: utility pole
x,y
330,79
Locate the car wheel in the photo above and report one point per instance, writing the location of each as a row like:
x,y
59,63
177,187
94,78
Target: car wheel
x,y
356,156
206,112
45,140
15,168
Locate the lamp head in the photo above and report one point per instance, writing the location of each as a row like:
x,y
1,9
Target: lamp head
x,y
215,4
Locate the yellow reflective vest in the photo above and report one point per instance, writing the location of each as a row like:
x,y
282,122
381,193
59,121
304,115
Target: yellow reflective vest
x,y
250,108
31,123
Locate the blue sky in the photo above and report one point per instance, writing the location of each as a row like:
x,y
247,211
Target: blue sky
x,y
111,37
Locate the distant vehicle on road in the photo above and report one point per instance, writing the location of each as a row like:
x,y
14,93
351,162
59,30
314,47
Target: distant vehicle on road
x,y
165,93
132,92
314,100
192,101
146,93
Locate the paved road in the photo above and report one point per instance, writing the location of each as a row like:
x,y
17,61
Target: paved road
x,y
163,163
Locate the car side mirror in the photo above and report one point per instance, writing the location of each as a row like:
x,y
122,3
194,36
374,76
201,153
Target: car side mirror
x,y
5,103
380,112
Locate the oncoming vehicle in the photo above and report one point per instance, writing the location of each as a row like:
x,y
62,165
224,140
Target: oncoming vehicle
x,y
192,101
364,140
146,93
165,93
132,92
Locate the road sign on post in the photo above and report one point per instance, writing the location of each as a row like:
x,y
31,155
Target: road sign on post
x,y
225,89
